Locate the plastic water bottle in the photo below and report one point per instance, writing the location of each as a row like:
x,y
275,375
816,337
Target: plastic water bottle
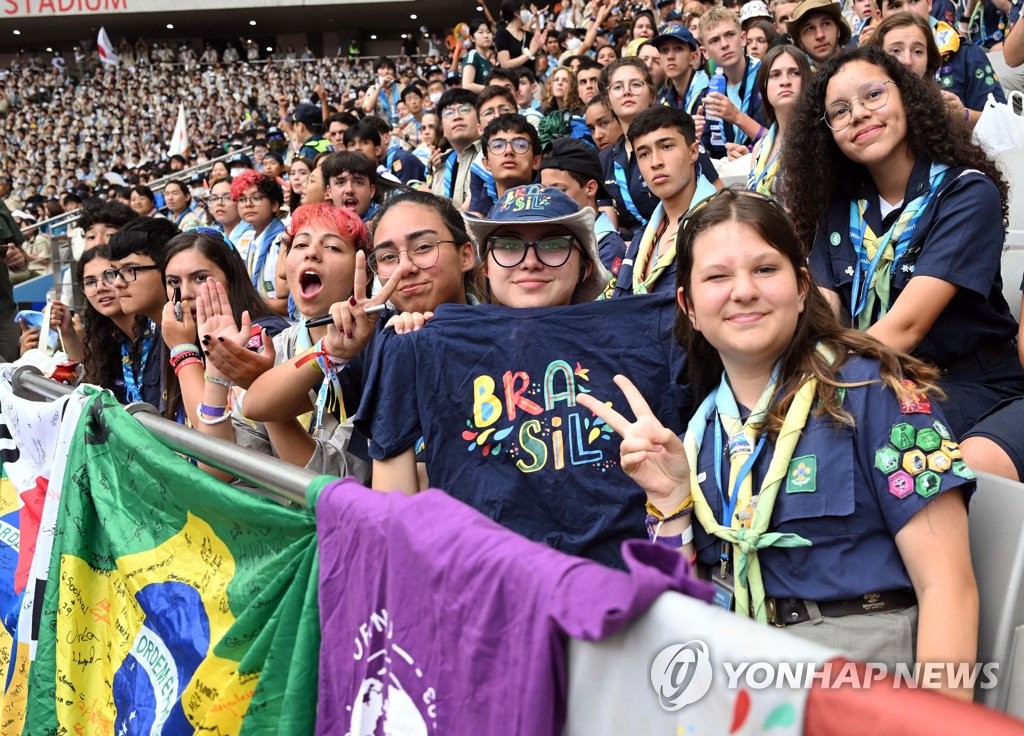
x,y
717,84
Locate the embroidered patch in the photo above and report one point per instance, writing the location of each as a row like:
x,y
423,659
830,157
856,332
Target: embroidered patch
x,y
939,461
927,484
887,459
802,475
902,436
947,82
835,238
914,461
979,73
901,485
928,439
916,403
849,271
941,429
961,470
951,448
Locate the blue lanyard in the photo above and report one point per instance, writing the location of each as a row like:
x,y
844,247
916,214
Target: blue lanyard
x,y
627,198
132,381
729,503
865,266
449,169
390,106
745,95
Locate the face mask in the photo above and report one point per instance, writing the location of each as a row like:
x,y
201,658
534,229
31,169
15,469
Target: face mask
x,y
525,16
573,43
237,172
434,97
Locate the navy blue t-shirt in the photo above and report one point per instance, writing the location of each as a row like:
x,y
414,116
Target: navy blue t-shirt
x,y
958,239
849,490
492,390
969,75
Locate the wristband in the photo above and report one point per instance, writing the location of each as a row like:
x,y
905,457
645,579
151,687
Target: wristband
x,y
684,508
184,363
222,418
185,347
182,357
217,379
760,134
530,55
676,541
211,411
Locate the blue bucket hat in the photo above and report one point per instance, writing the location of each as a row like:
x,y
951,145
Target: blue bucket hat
x,y
536,204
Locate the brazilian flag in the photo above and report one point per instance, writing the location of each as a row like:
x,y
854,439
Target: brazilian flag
x,y
176,604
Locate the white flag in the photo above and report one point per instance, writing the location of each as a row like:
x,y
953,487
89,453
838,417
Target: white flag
x,y
179,139
106,49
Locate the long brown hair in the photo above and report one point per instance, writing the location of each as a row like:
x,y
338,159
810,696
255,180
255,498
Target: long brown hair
x,y
816,326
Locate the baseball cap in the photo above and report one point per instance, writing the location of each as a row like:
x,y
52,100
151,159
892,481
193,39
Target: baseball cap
x,y
534,204
572,154
675,32
754,9
309,115
633,47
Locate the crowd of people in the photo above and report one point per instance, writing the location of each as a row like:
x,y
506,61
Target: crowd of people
x,y
472,272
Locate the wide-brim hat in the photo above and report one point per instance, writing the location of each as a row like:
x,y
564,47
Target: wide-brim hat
x,y
536,204
808,8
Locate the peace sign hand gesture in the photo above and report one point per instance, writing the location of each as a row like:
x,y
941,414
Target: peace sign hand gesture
x,y
650,453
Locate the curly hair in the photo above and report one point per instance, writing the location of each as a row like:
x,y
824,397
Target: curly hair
x,y
571,101
815,172
817,324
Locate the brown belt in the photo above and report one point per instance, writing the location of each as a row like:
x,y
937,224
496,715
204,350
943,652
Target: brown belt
x,y
789,611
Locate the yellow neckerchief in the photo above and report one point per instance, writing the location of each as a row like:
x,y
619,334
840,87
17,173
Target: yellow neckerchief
x,y
748,529
946,38
666,254
762,174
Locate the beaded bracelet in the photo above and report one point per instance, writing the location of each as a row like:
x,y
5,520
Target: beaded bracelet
x,y
181,357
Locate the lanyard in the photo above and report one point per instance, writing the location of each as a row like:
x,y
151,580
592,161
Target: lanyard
x,y
729,502
745,95
762,165
390,106
858,228
133,380
627,198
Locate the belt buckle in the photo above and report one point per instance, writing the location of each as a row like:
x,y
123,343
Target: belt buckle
x,y
770,611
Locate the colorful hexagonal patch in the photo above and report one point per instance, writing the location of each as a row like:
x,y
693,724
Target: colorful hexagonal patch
x,y
951,448
939,461
903,436
927,484
941,429
914,461
901,484
961,470
928,439
887,459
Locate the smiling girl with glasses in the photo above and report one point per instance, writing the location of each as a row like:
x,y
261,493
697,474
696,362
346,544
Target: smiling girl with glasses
x,y
904,219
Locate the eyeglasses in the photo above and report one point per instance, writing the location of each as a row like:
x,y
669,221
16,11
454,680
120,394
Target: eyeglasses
x,y
256,199
872,96
127,274
500,145
422,253
90,286
461,110
493,112
225,198
636,86
509,251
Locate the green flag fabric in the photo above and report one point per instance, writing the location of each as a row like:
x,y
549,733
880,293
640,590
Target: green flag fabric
x,y
175,602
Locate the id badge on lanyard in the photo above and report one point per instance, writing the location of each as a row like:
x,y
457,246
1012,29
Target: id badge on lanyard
x,y
722,579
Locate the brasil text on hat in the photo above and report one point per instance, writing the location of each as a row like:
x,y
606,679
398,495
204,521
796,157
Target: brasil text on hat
x,y
572,154
674,32
808,8
536,204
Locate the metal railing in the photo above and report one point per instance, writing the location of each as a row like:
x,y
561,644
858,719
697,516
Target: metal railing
x,y
283,481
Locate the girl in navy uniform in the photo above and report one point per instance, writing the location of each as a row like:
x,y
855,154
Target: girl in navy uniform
x,y
904,219
843,492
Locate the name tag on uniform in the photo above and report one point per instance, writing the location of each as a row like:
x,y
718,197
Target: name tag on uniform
x,y
724,597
